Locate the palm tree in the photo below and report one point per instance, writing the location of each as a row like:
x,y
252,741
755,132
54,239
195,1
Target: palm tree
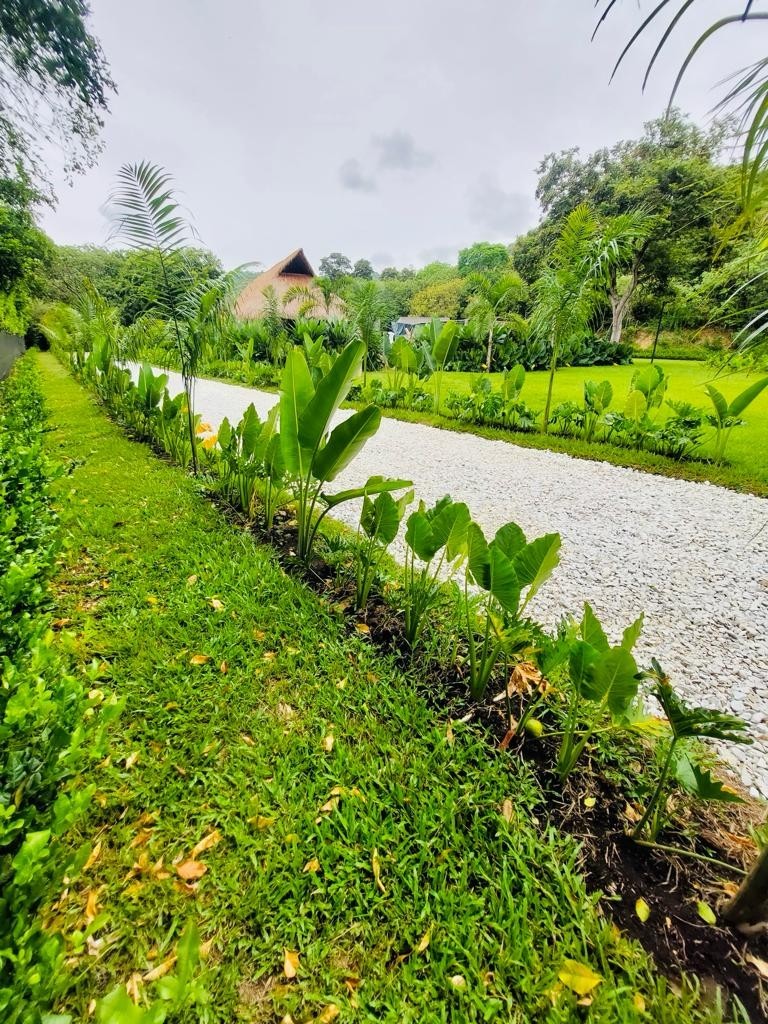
x,y
367,310
490,306
146,215
574,283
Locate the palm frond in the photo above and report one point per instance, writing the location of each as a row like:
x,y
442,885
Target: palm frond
x,y
144,211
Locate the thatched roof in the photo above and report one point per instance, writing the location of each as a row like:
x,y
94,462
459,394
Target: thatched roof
x,y
294,271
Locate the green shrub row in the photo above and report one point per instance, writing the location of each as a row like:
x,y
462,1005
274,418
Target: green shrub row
x,y
43,714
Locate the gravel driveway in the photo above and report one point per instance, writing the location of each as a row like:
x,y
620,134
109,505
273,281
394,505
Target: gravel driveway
x,y
693,556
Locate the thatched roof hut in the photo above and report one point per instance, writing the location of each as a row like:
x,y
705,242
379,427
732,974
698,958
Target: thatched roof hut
x,y
291,274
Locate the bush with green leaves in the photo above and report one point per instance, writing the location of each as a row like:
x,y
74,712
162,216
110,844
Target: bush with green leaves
x,y
727,415
380,520
44,741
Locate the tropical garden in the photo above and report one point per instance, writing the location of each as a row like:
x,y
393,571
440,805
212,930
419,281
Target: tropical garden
x,y
256,767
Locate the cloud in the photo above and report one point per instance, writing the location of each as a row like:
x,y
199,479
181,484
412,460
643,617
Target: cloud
x,y
499,212
398,152
353,177
439,254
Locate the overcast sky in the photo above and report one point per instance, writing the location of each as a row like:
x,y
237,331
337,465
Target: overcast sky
x,y
398,131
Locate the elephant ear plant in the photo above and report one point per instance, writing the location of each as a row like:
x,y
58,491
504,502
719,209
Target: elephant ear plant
x,y
604,679
379,522
502,570
431,532
313,453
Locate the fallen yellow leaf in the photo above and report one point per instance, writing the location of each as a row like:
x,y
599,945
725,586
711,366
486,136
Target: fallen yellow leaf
x,y
458,981
161,970
578,977
589,802
224,668
199,659
312,866
424,941
93,856
91,906
328,742
361,627
132,987
449,736
191,870
376,867
290,963
216,604
638,1002
706,913
131,760
642,910
259,821
330,805
331,1012
206,843
507,810
191,580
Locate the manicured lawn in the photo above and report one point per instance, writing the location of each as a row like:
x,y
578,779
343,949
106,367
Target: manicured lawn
x,y
345,822
747,449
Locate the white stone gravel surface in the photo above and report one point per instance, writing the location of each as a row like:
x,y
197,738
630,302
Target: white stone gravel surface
x,y
693,556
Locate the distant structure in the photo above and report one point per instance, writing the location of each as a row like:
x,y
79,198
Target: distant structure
x,y
404,326
294,275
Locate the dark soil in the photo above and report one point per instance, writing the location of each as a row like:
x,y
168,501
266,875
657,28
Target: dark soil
x,y
616,866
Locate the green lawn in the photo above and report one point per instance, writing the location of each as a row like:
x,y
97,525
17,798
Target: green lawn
x,y
748,447
342,821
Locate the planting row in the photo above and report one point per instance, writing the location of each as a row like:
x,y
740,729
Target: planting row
x,y
43,712
569,688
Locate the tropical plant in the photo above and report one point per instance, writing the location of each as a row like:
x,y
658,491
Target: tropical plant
x,y
502,570
491,305
727,415
597,399
379,520
148,396
314,453
440,339
604,679
441,529
686,722
147,216
573,285
367,311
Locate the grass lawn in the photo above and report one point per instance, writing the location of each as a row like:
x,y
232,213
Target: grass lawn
x,y
343,822
747,451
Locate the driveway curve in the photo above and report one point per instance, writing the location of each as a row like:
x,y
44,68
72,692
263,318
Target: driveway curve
x,y
692,556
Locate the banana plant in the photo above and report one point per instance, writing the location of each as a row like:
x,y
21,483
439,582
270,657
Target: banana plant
x,y
379,521
441,340
441,530
604,680
509,572
172,429
597,399
727,416
686,722
511,386
148,396
313,453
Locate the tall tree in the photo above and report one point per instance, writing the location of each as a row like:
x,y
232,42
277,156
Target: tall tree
x,y
483,258
335,265
363,269
491,306
55,84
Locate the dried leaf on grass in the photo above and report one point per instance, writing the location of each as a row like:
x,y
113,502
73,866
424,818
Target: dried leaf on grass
x,y
191,870
199,659
290,963
206,843
376,868
161,970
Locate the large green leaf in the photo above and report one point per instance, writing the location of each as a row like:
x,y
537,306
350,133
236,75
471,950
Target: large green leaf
x,y
510,538
635,406
699,781
687,721
612,679
403,356
345,442
296,391
536,562
249,428
478,557
631,634
420,537
591,630
504,584
381,517
449,527
373,485
747,396
315,418
445,342
718,401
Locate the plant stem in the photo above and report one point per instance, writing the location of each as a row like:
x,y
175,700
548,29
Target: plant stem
x,y
637,832
689,853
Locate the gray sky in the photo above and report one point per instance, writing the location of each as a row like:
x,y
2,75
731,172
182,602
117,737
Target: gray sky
x,y
399,131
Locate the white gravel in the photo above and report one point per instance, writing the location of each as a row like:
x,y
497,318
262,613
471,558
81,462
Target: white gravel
x,y
693,556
